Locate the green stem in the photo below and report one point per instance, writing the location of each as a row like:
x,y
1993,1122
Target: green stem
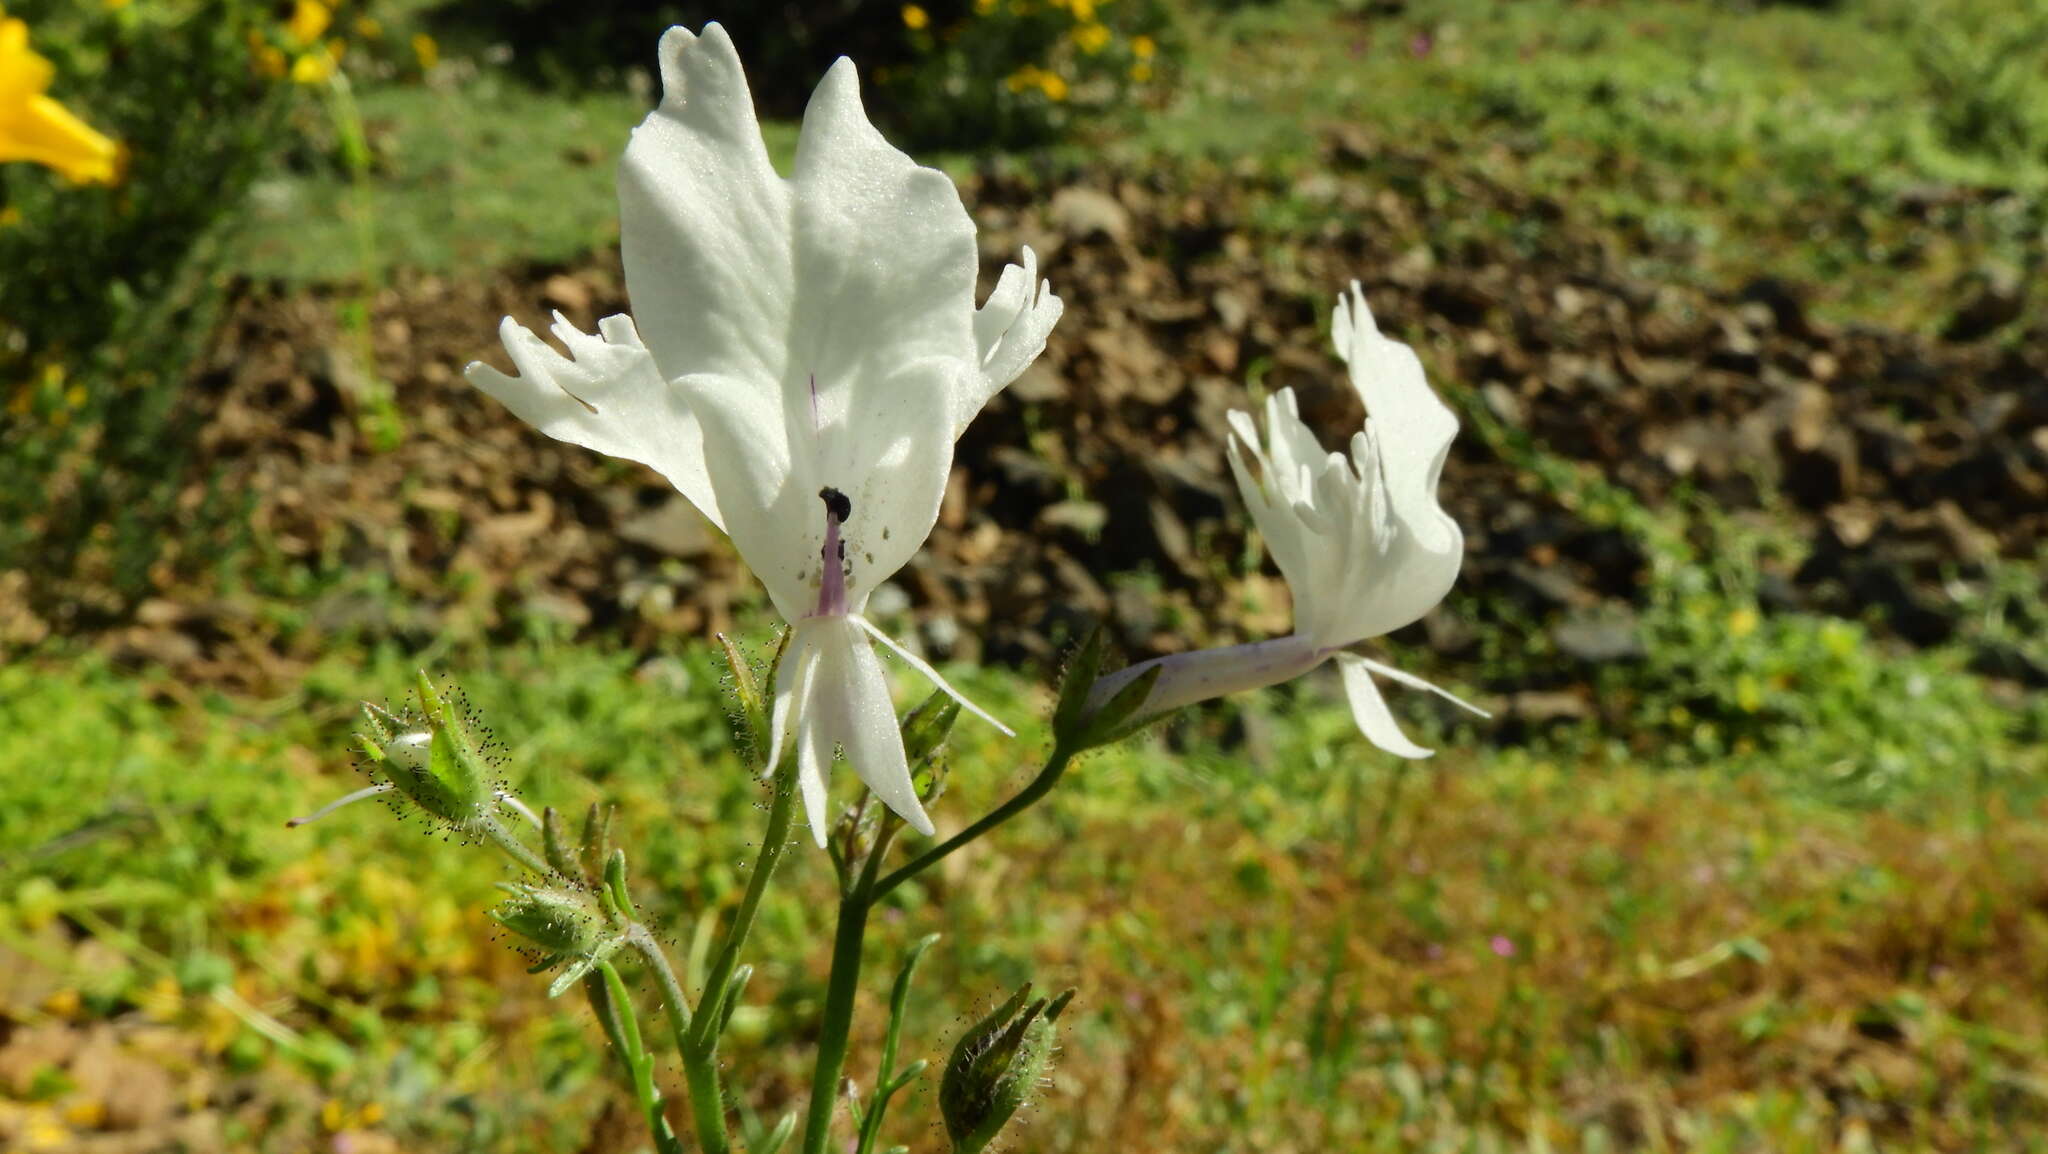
x,y
697,1035
498,836
1055,766
639,1061
781,808
854,906
601,1005
844,983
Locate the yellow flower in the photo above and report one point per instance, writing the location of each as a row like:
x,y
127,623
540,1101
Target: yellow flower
x,y
369,28
429,52
1054,87
1091,38
1141,72
1742,622
1084,10
914,18
984,7
9,217
34,127
314,67
309,19
1143,47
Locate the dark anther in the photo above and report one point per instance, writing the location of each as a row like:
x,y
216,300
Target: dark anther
x,y
836,504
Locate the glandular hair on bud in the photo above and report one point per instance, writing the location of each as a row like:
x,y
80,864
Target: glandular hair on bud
x,y
995,1068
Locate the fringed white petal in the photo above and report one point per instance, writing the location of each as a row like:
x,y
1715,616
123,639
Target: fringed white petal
x,y
605,395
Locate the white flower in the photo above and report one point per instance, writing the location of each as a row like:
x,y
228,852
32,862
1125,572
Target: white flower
x,y
806,354
1361,540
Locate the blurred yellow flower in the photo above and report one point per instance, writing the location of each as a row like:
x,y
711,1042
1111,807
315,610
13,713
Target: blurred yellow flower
x,y
1742,622
9,216
429,52
309,19
914,18
1084,10
34,127
86,1113
1143,47
314,67
116,5
269,61
43,1131
1053,85
984,7
369,28
1091,38
1141,72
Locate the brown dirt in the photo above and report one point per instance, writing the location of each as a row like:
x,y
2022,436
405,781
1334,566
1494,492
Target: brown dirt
x,y
1901,459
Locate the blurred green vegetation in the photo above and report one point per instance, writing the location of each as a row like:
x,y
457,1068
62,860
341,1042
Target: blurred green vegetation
x,y
152,816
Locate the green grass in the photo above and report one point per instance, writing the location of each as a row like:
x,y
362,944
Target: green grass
x,y
1769,139
1280,937
467,178
1729,141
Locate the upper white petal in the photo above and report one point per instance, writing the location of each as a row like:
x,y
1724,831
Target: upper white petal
x,y
825,318
1411,433
1361,540
705,222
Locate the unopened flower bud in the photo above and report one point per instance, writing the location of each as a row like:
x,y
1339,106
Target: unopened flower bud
x,y
436,761
565,926
996,1066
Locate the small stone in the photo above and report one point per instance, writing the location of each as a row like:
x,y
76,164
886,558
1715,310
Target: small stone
x,y
674,527
566,293
1086,213
1600,637
1084,517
